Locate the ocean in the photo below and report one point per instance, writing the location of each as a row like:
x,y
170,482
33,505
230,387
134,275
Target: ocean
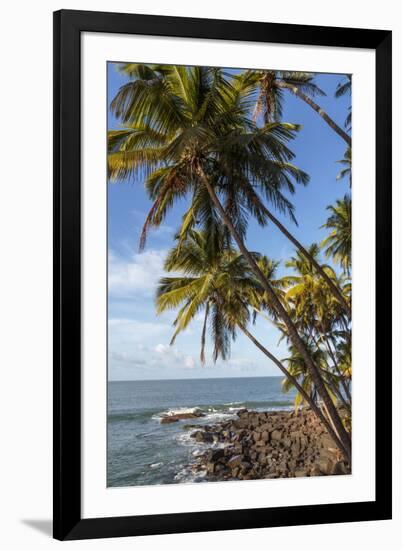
x,y
142,451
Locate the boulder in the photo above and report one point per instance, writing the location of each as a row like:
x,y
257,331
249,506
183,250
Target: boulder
x,y
300,473
315,471
339,469
202,437
169,419
267,426
216,454
245,466
265,436
235,461
276,435
181,416
325,465
210,467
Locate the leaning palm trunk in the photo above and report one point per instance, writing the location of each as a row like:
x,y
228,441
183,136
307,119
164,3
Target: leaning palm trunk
x,y
330,382
203,334
314,407
338,371
336,391
333,288
293,334
329,418
294,89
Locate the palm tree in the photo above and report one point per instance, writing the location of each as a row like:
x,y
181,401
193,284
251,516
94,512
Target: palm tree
x,y
345,87
188,131
272,84
316,314
239,181
216,281
338,244
308,295
296,366
347,163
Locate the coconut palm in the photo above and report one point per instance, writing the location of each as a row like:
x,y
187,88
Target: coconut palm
x,y
188,131
338,244
317,316
246,158
309,296
347,164
296,366
345,87
270,99
216,282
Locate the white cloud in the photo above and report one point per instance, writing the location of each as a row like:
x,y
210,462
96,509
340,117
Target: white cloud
x,y
137,337
138,274
125,358
132,343
173,356
189,362
162,349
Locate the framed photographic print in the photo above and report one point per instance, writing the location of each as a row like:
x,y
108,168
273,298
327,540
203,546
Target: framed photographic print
x,y
210,253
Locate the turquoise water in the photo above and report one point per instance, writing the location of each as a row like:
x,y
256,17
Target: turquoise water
x,y
142,451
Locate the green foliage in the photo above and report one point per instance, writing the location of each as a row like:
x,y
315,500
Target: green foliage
x,y
175,118
347,164
338,244
214,280
177,122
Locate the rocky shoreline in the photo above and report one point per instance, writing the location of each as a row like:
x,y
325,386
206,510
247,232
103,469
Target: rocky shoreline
x,y
266,445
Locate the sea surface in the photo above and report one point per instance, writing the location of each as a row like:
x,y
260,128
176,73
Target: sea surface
x,y
142,451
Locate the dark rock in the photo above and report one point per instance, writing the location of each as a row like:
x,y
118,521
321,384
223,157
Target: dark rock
x,y
245,466
265,435
339,469
202,436
300,473
181,416
216,454
235,461
276,435
325,465
315,471
268,445
169,419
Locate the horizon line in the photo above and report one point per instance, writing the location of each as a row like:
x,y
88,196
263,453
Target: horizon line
x,y
181,379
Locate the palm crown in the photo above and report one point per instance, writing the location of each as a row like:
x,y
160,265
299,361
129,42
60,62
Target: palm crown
x,y
214,280
176,118
338,244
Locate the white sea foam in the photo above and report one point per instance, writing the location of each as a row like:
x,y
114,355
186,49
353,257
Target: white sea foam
x,y
156,465
179,410
197,452
186,439
187,474
217,416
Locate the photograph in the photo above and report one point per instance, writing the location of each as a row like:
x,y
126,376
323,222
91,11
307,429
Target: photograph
x,y
229,245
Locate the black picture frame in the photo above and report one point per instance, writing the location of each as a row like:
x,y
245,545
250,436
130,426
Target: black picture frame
x,y
68,26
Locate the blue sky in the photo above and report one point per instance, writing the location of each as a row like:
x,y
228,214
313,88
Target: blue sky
x,y
138,338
